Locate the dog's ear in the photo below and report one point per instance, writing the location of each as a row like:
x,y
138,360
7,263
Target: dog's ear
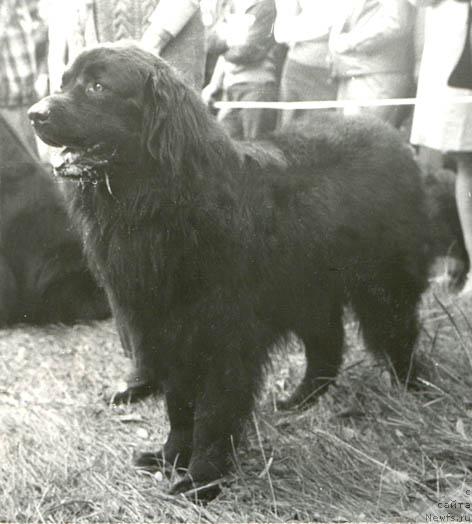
x,y
153,117
166,133
176,121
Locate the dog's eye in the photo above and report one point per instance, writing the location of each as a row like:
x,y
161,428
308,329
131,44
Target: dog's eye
x,y
94,87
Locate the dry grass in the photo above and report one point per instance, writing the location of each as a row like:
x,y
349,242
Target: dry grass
x,y
369,451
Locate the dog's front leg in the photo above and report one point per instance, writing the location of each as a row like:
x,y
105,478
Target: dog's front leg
x,y
178,447
143,380
222,407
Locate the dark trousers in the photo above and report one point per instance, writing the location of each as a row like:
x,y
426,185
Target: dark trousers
x,y
299,83
249,123
378,85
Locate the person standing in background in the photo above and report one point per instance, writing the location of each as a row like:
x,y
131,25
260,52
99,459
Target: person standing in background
x,y
212,14
304,26
247,68
372,51
59,16
172,29
438,122
18,67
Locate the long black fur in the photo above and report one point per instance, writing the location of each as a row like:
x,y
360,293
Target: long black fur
x,y
43,274
211,250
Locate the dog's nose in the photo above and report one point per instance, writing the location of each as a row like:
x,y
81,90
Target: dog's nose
x,y
39,112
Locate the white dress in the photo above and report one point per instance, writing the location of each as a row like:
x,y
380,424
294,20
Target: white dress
x,y
437,123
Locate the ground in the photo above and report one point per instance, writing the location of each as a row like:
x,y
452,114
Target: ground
x,y
368,451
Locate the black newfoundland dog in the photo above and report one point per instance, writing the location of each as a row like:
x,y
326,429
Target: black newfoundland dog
x,y
211,249
43,274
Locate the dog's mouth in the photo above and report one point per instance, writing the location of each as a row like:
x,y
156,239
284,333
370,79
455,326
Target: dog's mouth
x,y
84,163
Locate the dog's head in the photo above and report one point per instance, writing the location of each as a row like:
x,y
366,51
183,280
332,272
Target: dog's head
x,y
119,97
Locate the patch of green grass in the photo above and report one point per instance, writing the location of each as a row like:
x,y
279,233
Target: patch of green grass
x,y
368,451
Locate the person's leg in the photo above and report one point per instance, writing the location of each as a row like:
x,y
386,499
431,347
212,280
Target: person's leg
x,y
288,92
377,86
464,207
391,85
230,119
257,123
300,82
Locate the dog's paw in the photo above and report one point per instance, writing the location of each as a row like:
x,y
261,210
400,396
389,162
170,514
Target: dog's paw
x,y
293,404
151,461
129,394
302,398
200,491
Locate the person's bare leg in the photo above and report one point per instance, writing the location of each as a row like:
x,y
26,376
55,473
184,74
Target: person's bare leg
x,y
464,208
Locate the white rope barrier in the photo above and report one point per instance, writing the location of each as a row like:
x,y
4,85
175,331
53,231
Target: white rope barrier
x,y
332,104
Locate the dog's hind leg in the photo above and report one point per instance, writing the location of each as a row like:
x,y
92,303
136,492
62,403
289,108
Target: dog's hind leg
x,y
386,308
8,293
323,342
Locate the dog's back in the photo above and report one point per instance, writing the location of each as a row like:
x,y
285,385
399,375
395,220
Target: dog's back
x,y
354,176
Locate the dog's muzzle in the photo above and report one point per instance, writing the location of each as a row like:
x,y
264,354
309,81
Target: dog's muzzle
x,y
39,113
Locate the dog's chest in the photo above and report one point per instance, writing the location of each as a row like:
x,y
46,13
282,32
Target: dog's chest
x,y
150,257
